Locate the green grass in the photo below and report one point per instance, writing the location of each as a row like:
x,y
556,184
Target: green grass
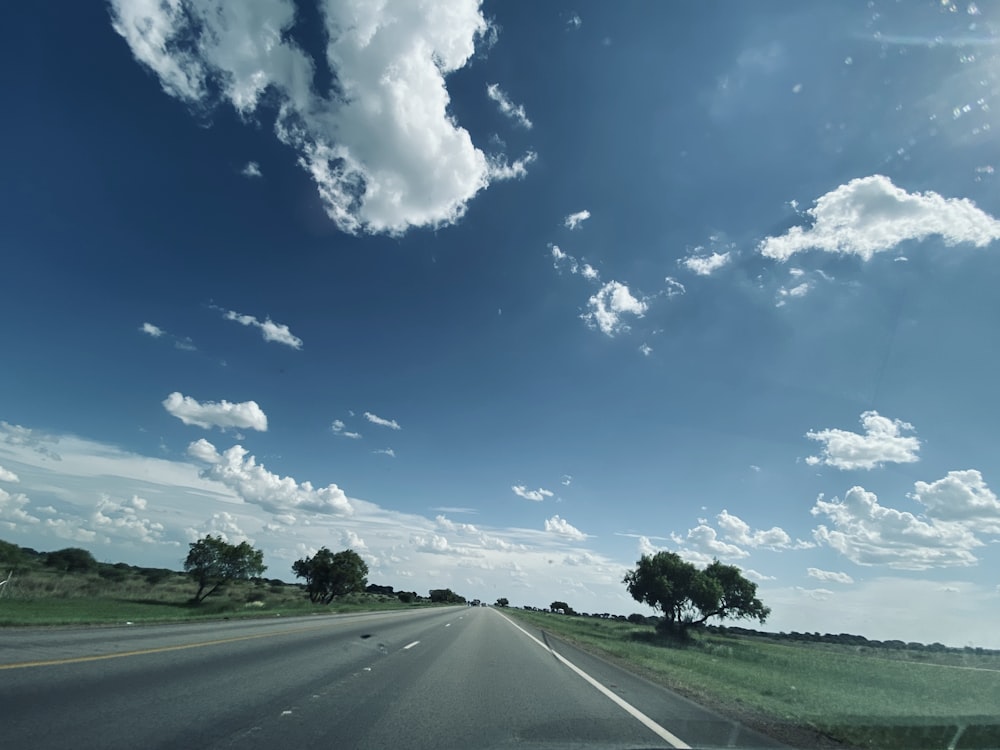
x,y
117,595
855,697
98,610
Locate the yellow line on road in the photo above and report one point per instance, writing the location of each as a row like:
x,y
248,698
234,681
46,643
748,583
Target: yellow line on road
x,y
145,651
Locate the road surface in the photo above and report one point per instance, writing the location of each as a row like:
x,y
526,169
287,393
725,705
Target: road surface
x,y
455,677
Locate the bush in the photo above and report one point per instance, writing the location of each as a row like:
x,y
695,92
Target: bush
x,y
71,560
111,573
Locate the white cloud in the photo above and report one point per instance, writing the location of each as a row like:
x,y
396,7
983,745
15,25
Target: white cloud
x,y
646,546
434,543
817,594
121,519
704,541
276,332
882,442
222,524
962,496
870,215
829,575
448,525
507,108
204,451
868,533
70,529
500,169
351,540
385,452
646,349
253,483
392,424
754,575
560,258
607,307
156,332
339,428
13,513
574,21
6,475
149,28
454,509
566,480
795,292
251,170
575,220
561,526
246,415
706,265
33,440
737,530
535,495
674,287
384,150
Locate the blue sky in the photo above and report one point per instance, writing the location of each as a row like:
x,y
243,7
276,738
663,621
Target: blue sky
x,y
506,295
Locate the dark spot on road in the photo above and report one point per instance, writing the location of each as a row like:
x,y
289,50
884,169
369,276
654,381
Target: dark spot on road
x,y
367,635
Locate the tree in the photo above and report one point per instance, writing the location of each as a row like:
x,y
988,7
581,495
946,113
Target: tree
x,y
562,607
688,596
502,601
11,555
445,596
331,574
71,560
213,562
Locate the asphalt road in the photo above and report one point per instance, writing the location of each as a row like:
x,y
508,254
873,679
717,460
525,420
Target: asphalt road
x,y
439,678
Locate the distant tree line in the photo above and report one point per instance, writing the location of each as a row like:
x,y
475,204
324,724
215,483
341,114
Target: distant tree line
x,y
78,561
213,563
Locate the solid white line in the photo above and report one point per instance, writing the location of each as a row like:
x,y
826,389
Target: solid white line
x,y
666,735
408,646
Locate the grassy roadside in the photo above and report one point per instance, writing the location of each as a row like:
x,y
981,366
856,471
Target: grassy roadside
x,y
797,692
120,595
107,611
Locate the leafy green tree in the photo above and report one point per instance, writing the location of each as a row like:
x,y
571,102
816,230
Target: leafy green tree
x,y
71,560
331,574
212,561
446,596
688,596
502,601
11,555
562,607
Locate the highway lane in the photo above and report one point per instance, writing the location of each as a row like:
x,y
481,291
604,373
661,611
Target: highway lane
x,y
437,678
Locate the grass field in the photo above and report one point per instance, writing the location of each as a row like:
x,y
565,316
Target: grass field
x,y
118,595
850,695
